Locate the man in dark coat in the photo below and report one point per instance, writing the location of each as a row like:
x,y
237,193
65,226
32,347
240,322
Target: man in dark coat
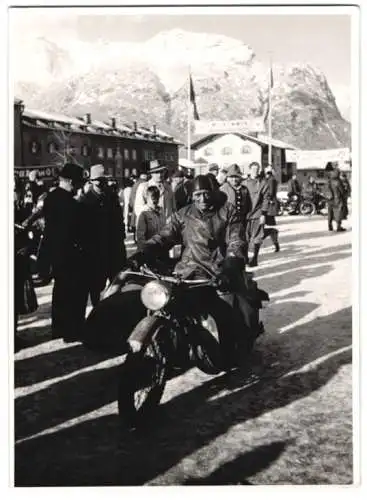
x,y
103,233
181,189
337,201
259,194
63,245
270,221
237,194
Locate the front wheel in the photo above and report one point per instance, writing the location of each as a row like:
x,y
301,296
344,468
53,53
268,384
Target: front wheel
x,y
307,208
142,379
206,346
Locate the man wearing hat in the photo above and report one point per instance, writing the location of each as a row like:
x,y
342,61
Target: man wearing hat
x,y
166,197
103,231
237,194
181,189
270,222
63,246
259,194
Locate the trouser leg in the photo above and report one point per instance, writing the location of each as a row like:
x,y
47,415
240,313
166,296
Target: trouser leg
x,y
68,305
273,234
330,218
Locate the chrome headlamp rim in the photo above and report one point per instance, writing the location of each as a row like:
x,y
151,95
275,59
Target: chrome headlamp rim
x,y
155,295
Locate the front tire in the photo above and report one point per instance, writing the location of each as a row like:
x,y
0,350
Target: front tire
x,y
142,380
206,349
307,208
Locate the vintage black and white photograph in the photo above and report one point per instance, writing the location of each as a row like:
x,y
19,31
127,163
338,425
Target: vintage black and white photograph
x,y
182,223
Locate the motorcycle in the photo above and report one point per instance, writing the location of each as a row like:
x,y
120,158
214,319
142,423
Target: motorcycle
x,y
310,206
289,206
184,323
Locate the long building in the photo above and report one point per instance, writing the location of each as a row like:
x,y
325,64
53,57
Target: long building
x,y
45,141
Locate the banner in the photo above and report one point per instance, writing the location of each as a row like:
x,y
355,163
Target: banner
x,y
43,171
316,159
219,127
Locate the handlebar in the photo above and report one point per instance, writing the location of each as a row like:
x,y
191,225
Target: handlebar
x,y
146,271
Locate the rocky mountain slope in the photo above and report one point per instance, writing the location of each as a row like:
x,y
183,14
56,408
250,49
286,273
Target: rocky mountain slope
x,y
147,82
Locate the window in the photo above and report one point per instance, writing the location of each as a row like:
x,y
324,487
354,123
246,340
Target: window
x,y
118,153
126,154
34,147
148,155
51,147
126,172
226,151
85,150
134,171
70,150
100,152
246,149
109,153
208,152
134,155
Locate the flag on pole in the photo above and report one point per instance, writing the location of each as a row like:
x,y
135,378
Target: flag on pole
x,y
192,99
270,86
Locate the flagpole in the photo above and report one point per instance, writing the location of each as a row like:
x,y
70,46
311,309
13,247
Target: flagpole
x,y
270,162
188,117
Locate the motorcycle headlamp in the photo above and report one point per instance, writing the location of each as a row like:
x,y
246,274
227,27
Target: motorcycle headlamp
x,y
154,295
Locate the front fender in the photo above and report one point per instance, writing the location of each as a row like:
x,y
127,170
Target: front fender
x,y
110,323
144,331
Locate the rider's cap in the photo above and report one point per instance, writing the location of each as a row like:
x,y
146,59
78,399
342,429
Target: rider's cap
x,y
202,183
234,171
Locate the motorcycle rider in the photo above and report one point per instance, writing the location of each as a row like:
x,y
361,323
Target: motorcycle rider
x,y
294,188
310,190
213,237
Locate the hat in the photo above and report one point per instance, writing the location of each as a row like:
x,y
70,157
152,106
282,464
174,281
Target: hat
x,y
202,183
96,172
178,174
155,166
234,171
213,167
72,171
33,174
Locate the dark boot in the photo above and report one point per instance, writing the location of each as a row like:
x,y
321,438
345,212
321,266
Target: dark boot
x,y
340,229
274,239
253,261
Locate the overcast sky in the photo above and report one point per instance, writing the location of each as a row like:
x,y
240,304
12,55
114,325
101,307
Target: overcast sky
x,y
320,40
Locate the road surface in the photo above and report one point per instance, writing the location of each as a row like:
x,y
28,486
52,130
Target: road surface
x,y
286,420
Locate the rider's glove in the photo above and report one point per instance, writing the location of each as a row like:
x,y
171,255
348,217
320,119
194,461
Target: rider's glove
x,y
231,271
135,261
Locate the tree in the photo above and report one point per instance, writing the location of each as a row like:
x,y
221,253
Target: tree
x,y
64,149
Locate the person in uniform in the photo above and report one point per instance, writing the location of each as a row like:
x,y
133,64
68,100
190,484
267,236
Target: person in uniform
x,y
237,194
259,195
270,222
181,189
337,201
103,233
63,244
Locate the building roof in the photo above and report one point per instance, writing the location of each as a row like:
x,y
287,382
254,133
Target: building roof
x,y
260,139
42,119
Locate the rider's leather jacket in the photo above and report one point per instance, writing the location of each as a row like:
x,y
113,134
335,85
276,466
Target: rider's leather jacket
x,y
207,238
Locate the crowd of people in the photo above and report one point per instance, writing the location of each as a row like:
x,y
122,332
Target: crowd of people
x,y
84,224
